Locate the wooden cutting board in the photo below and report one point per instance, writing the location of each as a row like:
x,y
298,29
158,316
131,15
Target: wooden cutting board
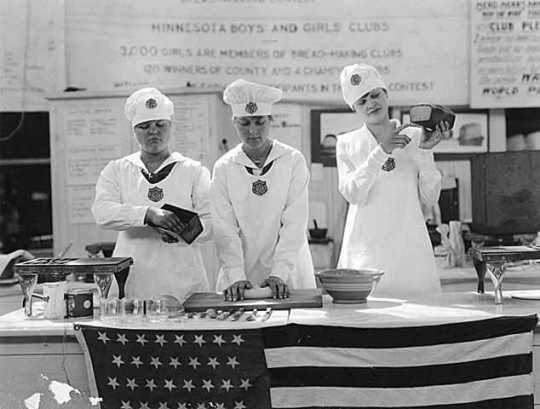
x,y
304,298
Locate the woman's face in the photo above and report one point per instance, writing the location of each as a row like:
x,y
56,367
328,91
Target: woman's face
x,y
253,131
373,106
153,136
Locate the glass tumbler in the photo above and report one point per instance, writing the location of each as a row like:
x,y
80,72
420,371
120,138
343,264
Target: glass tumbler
x,y
132,309
156,310
112,310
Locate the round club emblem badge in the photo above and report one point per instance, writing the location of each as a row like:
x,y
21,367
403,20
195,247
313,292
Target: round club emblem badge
x,y
259,187
155,194
356,79
151,103
389,165
251,107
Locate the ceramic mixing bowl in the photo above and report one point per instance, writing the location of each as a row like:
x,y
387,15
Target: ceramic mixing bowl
x,y
349,286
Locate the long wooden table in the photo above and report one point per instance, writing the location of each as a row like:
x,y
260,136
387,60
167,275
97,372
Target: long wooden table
x,y
31,347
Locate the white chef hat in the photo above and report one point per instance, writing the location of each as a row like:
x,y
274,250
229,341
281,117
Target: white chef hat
x,y
250,99
148,104
357,80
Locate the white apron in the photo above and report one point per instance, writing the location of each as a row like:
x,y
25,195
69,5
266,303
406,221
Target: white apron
x,y
121,202
385,227
258,235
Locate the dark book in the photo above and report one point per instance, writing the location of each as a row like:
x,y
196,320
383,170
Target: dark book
x,y
193,227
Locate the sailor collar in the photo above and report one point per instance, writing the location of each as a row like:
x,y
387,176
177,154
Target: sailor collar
x,y
239,156
135,158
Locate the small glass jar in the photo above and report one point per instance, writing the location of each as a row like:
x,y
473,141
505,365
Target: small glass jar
x,y
156,310
132,309
113,310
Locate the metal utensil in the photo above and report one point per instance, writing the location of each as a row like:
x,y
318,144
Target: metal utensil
x,y
252,316
235,316
267,314
65,250
223,316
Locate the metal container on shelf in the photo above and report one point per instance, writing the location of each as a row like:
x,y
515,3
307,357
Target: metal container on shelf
x,y
79,303
53,293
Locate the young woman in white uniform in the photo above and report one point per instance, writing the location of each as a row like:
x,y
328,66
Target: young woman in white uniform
x,y
385,171
259,201
129,195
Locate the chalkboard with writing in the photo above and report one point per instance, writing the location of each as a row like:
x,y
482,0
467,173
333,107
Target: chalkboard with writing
x,y
505,54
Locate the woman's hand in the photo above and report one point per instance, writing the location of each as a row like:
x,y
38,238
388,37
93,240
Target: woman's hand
x,y
395,139
167,238
278,287
432,138
236,290
163,218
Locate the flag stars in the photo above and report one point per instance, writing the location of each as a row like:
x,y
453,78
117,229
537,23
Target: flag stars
x,y
122,338
218,339
232,361
141,339
144,405
181,406
226,384
131,384
163,405
150,384
207,384
245,384
175,362
117,360
188,384
199,340
113,383
160,339
213,362
179,340
169,385
239,405
194,362
220,406
201,406
237,339
102,336
136,360
126,405
155,362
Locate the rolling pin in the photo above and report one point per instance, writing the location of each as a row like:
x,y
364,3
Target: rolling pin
x,y
257,292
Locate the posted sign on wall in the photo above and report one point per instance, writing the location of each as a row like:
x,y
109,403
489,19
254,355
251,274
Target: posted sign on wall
x,y
505,54
299,45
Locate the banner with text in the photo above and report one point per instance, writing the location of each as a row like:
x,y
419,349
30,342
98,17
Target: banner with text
x,y
300,46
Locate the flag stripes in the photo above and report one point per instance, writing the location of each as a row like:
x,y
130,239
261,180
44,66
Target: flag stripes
x,y
403,377
517,402
474,364
351,337
516,389
425,355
